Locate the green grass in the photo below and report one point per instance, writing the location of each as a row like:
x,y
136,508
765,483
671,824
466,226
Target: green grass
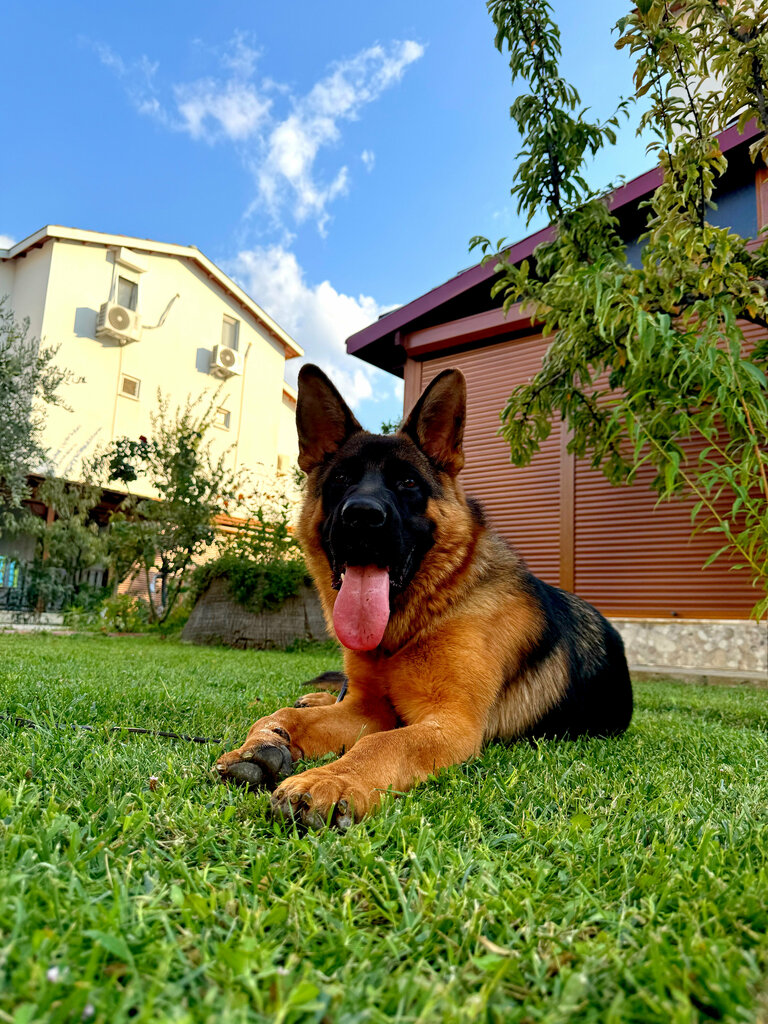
x,y
622,880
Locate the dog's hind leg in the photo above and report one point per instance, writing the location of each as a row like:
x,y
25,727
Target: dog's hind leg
x,y
316,700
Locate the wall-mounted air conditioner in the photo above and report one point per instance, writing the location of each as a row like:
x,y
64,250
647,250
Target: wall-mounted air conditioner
x,y
118,322
226,362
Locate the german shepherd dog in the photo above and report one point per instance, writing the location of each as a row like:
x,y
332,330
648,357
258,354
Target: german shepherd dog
x,y
450,641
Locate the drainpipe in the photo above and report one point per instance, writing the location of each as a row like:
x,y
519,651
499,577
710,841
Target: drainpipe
x,y
242,397
117,393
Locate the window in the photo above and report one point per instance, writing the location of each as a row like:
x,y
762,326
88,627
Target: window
x,y
222,418
229,332
127,292
129,386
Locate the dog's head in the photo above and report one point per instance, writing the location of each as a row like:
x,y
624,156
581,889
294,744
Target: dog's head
x,y
374,492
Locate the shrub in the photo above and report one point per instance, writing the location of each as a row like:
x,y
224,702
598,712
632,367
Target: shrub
x,y
261,560
124,613
257,586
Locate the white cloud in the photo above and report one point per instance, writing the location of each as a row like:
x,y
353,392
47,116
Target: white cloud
x,y
137,76
6,241
209,110
318,316
286,175
280,150
369,159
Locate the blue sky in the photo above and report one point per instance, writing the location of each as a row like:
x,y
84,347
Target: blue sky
x,y
335,158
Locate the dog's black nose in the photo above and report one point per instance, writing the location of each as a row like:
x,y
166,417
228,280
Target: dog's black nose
x,y
363,512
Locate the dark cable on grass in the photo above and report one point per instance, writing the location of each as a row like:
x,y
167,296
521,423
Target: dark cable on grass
x,y
326,681
27,723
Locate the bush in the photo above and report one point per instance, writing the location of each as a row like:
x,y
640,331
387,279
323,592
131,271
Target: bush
x,y
124,613
261,560
256,586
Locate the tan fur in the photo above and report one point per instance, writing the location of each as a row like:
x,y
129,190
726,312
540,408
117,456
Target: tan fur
x,y
316,700
448,676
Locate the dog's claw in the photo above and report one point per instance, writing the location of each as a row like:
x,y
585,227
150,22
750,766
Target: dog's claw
x,y
299,809
343,816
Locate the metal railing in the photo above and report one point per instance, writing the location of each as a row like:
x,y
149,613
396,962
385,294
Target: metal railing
x,y
27,588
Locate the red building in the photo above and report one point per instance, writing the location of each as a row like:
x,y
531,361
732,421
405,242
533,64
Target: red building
x,y
612,545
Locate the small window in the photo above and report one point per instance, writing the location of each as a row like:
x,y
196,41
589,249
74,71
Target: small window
x,y
127,293
229,332
129,386
222,418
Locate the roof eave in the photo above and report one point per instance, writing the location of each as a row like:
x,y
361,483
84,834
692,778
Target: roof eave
x,y
395,323
57,232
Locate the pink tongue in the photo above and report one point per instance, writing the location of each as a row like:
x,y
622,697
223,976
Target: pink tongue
x,y
361,611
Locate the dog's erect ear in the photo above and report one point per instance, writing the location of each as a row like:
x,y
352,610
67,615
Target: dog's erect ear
x,y
323,418
436,422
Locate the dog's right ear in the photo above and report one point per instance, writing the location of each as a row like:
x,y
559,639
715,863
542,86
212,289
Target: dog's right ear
x,y
323,419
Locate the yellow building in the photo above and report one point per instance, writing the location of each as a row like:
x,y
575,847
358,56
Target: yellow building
x,y
131,316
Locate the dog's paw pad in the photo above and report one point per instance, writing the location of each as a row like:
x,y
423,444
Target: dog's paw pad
x,y
262,767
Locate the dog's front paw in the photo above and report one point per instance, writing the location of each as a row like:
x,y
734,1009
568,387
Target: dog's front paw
x,y
320,797
262,762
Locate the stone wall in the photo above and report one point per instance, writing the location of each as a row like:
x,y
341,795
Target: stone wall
x,y
29,621
218,619
724,647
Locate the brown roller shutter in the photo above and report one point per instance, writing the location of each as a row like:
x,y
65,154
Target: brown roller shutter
x,y
630,558
523,504
635,558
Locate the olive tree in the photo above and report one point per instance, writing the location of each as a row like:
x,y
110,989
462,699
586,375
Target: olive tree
x,y
29,380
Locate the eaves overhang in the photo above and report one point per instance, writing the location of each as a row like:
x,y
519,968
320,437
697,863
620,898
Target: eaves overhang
x,y
385,344
55,232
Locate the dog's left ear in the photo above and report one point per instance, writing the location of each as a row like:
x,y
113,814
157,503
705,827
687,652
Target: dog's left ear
x,y
436,422
324,421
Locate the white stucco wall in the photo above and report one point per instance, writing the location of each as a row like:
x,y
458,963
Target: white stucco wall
x,y
287,443
25,282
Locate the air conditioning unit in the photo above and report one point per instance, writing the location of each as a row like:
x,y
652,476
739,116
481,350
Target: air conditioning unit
x,y
118,322
226,362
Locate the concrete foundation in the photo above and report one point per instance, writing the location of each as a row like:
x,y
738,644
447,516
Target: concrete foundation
x,y
712,648
29,622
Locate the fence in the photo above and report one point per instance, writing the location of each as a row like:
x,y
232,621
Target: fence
x,y
24,588
13,585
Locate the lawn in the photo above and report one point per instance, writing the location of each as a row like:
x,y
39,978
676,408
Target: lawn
x,y
621,880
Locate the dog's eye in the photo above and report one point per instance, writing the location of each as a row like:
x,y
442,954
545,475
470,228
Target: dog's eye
x,y
408,483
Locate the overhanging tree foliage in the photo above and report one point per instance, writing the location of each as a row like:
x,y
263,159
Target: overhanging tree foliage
x,y
648,363
69,546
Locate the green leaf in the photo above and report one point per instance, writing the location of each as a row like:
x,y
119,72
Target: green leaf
x,y
114,944
754,371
